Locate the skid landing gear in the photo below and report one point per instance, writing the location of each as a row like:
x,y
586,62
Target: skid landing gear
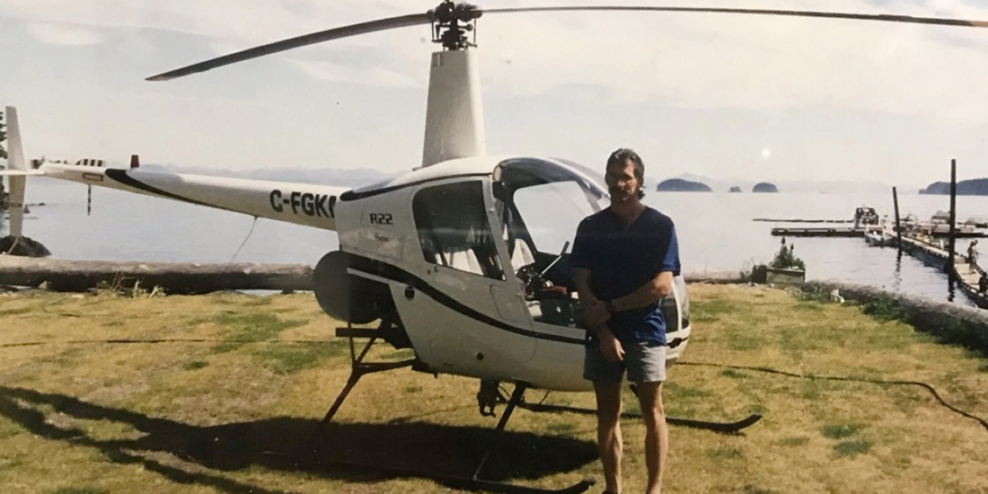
x,y
722,427
474,482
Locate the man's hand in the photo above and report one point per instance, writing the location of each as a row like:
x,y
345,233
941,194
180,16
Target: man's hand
x,y
594,313
609,345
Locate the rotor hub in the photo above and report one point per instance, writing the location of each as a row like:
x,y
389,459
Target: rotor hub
x,y
451,22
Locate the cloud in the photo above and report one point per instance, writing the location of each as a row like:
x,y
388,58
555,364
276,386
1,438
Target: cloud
x,y
63,35
683,60
376,76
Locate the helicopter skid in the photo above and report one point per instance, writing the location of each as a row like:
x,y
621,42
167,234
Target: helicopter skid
x,y
722,427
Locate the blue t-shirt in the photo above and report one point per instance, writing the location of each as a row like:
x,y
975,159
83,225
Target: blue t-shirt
x,y
620,261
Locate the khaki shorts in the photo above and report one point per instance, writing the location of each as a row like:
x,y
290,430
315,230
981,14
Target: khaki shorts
x,y
645,363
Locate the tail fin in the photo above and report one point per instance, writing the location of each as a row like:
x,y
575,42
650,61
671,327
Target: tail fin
x,y
15,161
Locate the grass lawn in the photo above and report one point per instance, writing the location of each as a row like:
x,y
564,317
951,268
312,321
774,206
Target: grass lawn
x,y
197,417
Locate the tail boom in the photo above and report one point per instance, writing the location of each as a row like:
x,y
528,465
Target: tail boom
x,y
303,204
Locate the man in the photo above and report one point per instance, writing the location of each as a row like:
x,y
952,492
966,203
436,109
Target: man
x,y
972,256
625,258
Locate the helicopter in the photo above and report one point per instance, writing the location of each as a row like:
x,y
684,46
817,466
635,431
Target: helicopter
x,y
448,258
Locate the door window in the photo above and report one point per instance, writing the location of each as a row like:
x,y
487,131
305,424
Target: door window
x,y
453,228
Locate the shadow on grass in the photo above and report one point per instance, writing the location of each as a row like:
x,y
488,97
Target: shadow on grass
x,y
410,446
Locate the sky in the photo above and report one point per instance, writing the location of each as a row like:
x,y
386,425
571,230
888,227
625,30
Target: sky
x,y
755,98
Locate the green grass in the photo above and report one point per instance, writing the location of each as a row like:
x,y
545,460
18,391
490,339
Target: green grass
x,y
289,359
751,489
561,428
852,448
794,441
78,490
178,418
15,312
720,454
675,391
194,365
711,310
250,328
885,309
811,306
744,342
733,374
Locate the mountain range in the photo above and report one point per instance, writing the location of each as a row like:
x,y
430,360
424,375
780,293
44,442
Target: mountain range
x,y
822,186
362,176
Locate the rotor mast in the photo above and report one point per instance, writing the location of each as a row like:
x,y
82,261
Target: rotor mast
x,y
454,122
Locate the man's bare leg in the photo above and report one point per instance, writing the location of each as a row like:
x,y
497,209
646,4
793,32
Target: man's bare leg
x,y
609,433
657,433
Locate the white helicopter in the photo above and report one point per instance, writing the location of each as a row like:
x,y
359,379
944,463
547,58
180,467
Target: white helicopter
x,y
445,256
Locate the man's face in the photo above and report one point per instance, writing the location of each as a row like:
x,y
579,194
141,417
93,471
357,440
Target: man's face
x,y
622,183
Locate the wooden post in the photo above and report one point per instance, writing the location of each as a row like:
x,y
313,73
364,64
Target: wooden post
x,y
898,225
953,217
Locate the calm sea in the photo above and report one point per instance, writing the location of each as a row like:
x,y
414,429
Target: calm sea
x,y
716,232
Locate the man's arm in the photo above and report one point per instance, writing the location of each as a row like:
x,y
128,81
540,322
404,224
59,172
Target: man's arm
x,y
660,286
645,295
595,316
590,307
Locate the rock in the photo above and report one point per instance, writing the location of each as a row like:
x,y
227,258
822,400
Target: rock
x,y
680,185
23,247
764,187
735,189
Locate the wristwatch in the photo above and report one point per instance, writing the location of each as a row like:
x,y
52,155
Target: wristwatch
x,y
610,307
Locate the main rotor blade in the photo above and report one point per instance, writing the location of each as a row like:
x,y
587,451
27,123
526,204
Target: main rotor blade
x,y
789,13
308,39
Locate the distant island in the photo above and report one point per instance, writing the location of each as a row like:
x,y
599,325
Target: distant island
x,y
764,187
735,189
976,187
680,185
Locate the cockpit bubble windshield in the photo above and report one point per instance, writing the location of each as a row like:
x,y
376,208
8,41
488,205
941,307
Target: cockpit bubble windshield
x,y
541,202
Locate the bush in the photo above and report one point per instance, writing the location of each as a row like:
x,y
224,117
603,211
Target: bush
x,y
785,259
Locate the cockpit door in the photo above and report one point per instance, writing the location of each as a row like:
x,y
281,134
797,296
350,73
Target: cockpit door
x,y
476,305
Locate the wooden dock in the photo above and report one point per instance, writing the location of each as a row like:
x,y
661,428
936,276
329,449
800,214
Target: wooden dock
x,y
774,220
818,232
855,232
938,257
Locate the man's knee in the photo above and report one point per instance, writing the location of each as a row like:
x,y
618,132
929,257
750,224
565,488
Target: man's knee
x,y
654,417
650,402
608,402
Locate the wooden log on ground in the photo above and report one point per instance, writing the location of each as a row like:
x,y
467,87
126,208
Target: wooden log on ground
x,y
173,278
192,278
715,277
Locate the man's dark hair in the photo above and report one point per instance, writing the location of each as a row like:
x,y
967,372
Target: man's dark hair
x,y
624,155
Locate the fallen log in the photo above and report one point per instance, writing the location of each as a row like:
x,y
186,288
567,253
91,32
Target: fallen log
x,y
716,277
173,278
192,278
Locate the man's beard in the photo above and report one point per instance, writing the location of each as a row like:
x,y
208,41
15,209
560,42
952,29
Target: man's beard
x,y
620,195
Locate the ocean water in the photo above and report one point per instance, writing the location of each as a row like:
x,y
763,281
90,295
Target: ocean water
x,y
716,232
